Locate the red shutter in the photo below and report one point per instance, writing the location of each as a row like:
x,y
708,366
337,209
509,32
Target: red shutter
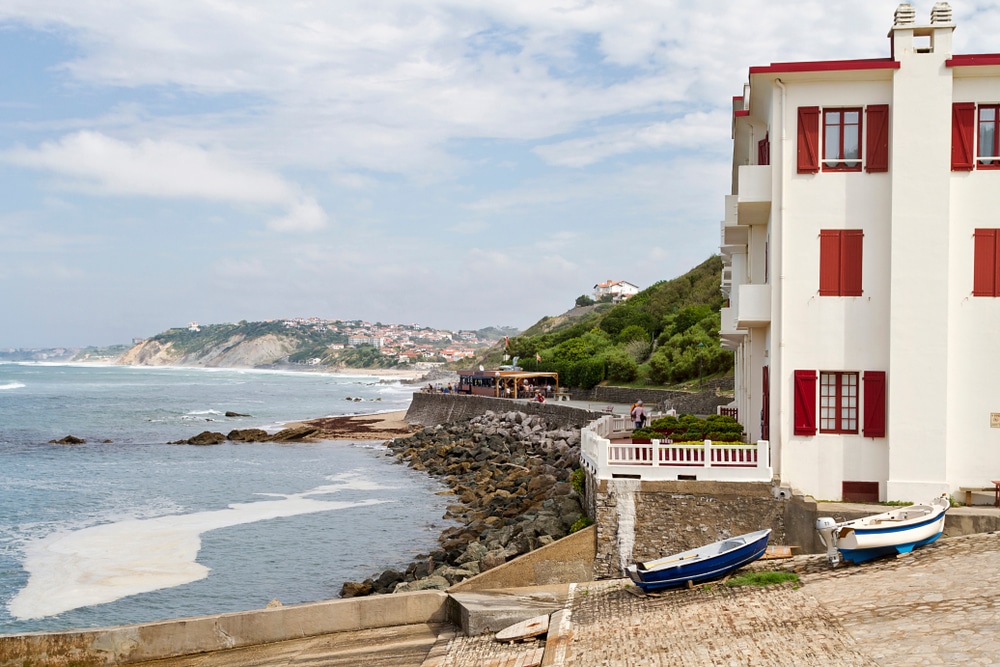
x,y
765,409
829,262
852,242
804,412
878,138
874,397
986,268
963,125
764,151
808,140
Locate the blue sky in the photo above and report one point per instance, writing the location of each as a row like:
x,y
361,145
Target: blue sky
x,y
451,163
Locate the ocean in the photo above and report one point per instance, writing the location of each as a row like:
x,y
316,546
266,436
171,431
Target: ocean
x,y
128,529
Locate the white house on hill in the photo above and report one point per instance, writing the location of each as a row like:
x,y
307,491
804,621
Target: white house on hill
x,y
862,265
618,290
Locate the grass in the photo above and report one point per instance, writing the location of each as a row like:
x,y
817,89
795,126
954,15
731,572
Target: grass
x,y
767,578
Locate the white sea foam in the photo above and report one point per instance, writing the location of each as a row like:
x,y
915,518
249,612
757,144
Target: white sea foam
x,y
108,562
11,385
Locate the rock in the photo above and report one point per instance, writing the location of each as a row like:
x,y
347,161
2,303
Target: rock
x,y
248,435
236,414
473,553
355,589
388,580
295,434
273,604
491,560
206,438
433,582
68,440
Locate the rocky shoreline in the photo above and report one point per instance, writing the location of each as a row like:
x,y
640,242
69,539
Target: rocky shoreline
x,y
511,475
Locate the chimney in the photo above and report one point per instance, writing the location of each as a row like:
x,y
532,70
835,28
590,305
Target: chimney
x,y
941,13
905,15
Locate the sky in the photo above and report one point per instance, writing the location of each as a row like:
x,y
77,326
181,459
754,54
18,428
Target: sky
x,y
452,163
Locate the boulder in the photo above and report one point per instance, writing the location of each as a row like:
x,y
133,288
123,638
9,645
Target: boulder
x,y
236,414
432,582
295,434
248,435
356,589
68,440
207,438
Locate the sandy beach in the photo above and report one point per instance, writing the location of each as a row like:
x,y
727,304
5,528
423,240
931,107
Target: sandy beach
x,y
381,426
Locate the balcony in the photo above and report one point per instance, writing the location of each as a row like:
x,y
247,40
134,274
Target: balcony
x,y
754,198
753,306
729,335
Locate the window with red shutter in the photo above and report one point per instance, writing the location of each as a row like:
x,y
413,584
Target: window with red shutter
x,y
764,151
877,138
808,140
804,410
840,265
963,126
874,397
986,263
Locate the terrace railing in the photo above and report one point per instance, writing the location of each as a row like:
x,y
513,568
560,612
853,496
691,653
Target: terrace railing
x,y
665,460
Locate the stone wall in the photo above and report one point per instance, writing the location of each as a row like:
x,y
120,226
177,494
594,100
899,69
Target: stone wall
x,y
434,409
684,402
638,520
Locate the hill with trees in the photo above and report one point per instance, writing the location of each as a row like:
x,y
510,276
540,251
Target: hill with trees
x,y
666,334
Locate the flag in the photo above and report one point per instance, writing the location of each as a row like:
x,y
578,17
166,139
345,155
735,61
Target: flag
x,y
538,357
506,342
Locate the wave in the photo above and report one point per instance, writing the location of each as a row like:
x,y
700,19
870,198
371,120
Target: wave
x,y
12,385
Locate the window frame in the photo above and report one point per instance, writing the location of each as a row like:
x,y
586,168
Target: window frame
x,y
841,422
991,161
841,262
840,163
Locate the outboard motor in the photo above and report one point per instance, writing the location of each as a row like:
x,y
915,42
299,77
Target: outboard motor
x,y
827,528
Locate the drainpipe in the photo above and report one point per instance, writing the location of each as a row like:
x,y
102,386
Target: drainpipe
x,y
777,294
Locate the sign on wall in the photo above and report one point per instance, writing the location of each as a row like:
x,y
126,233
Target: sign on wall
x,y
995,420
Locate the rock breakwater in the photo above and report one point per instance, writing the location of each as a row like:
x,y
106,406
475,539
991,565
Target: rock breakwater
x,y
510,473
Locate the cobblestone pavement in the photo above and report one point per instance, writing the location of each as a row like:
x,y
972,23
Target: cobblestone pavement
x,y
936,606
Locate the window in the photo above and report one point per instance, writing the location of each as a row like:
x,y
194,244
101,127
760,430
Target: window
x,y
986,263
989,151
838,402
840,262
842,139
975,137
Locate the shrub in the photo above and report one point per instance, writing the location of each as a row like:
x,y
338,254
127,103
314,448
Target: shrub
x,y
581,523
578,479
620,367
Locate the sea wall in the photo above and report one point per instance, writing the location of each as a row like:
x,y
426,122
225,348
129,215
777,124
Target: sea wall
x,y
637,520
433,409
136,643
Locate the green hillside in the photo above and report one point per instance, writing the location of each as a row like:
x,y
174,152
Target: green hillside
x,y
666,334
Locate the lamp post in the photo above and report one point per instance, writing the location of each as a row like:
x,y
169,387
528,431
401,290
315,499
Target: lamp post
x,y
701,347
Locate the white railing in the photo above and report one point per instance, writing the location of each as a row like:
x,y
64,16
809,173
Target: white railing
x,y
664,460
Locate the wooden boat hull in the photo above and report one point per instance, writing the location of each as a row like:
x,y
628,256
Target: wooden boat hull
x,y
697,565
894,532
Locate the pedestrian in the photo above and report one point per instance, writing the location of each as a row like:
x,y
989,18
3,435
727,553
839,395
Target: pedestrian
x,y
638,414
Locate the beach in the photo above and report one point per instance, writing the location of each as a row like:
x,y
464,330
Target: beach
x,y
378,426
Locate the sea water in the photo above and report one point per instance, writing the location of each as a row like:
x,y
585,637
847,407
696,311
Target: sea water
x,y
128,529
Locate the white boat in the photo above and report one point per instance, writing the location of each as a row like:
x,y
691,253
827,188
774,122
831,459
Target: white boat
x,y
895,532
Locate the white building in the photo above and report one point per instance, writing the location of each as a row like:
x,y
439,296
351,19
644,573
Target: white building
x,y
618,290
862,265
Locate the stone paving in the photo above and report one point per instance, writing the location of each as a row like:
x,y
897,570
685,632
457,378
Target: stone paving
x,y
936,606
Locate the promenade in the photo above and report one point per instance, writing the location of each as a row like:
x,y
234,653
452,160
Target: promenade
x,y
936,606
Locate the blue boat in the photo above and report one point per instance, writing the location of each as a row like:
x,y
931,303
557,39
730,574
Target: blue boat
x,y
711,561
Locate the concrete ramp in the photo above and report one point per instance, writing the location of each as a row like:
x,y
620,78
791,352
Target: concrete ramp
x,y
479,612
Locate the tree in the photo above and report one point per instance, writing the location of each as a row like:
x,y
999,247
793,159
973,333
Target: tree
x,y
584,300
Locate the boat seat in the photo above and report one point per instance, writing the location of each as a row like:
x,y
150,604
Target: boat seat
x,y
731,544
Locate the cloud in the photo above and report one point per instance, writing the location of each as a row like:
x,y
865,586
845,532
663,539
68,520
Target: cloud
x,y
303,216
97,164
699,130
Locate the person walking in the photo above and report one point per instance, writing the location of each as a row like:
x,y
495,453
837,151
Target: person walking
x,y
638,414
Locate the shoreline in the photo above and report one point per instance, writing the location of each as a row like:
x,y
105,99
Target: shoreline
x,y
371,426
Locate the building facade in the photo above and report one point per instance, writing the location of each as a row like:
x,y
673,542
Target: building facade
x,y
861,247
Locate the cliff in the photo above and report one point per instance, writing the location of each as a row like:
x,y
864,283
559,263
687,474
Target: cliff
x,y
237,351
